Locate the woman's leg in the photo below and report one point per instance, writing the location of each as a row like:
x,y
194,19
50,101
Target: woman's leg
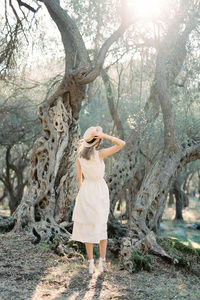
x,y
102,248
89,249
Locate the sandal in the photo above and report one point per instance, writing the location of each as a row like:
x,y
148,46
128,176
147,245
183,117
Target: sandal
x,y
91,266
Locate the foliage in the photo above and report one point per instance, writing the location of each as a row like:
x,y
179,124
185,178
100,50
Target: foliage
x,y
140,261
183,255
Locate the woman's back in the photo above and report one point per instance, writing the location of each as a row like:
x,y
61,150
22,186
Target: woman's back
x,y
93,169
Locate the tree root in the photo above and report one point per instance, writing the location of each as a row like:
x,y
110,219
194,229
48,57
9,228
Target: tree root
x,y
6,224
44,231
148,243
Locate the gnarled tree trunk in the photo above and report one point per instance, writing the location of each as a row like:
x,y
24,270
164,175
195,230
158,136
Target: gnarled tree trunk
x,y
151,199
52,186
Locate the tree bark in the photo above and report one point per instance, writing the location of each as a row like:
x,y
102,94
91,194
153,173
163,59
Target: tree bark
x,y
171,198
179,201
123,170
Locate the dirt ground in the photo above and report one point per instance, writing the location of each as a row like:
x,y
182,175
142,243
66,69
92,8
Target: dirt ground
x,y
35,272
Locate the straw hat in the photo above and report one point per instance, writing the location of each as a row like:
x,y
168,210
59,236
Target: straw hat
x,y
88,137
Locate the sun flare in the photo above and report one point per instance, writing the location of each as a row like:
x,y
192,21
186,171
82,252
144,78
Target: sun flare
x,y
146,8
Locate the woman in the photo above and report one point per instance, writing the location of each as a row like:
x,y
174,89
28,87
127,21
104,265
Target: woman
x,y
90,214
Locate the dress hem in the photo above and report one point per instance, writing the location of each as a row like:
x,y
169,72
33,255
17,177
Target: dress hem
x,y
89,233
83,241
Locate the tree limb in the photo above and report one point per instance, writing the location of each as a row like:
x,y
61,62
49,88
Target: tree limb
x,y
92,75
29,7
112,108
71,37
172,52
191,150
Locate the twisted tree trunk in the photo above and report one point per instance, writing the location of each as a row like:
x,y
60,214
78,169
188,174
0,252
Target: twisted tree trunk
x,y
151,199
52,186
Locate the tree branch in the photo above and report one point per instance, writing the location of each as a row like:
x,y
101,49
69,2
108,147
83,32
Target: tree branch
x,y
90,76
171,55
191,150
2,179
75,50
21,3
112,109
172,52
71,37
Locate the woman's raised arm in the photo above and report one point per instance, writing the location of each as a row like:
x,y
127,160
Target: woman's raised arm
x,y
119,144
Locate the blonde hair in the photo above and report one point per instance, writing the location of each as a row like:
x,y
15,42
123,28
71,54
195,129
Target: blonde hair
x,y
88,152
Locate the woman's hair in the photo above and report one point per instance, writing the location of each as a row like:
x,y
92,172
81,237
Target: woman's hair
x,y
88,152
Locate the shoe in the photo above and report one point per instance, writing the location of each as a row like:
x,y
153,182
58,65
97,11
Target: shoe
x,y
91,266
102,265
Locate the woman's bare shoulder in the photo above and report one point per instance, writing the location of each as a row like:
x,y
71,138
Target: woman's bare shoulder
x,y
99,154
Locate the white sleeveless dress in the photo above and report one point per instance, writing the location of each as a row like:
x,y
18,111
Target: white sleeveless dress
x,y
90,214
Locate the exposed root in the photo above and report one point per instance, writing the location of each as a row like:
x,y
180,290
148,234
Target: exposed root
x,y
44,231
6,224
148,243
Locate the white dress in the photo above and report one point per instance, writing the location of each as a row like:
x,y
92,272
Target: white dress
x,y
90,214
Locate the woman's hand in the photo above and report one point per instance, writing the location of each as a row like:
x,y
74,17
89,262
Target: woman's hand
x,y
119,144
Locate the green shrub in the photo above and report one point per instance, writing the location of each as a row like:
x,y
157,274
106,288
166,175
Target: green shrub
x,y
173,244
140,261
